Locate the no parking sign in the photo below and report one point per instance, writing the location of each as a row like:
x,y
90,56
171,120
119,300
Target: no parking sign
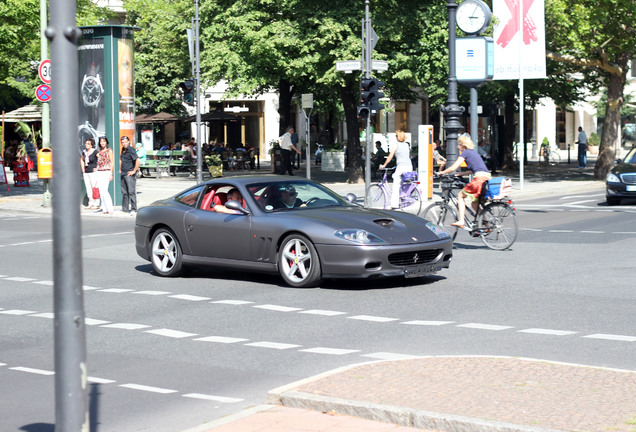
x,y
43,93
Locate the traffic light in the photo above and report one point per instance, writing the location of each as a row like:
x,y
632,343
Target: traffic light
x,y
188,91
370,95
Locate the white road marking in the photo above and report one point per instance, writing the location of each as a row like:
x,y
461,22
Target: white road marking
x,y
148,388
331,351
21,244
44,282
389,356
561,231
625,232
428,323
221,339
233,302
49,315
531,229
547,332
480,326
91,321
277,308
32,370
115,290
189,297
126,326
592,232
171,333
45,241
17,312
213,398
372,318
89,288
152,293
19,279
322,312
99,380
613,337
272,345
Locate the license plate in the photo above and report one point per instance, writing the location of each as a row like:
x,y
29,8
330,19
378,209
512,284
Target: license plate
x,y
631,188
420,270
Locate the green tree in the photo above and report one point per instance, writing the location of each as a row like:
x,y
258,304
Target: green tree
x,y
599,39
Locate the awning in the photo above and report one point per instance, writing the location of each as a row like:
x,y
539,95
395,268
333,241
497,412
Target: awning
x,y
29,113
161,117
213,116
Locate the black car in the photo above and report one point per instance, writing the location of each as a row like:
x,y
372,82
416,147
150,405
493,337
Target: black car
x,y
620,182
294,227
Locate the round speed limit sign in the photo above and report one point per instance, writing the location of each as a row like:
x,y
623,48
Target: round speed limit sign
x,y
45,71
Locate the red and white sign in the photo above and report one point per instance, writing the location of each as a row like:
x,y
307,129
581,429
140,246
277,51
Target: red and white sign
x,y
43,93
519,49
45,71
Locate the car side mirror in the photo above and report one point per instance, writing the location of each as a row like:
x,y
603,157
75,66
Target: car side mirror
x,y
351,198
235,205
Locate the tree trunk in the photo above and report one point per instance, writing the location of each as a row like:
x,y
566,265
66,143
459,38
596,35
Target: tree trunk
x,y
285,92
609,136
509,133
354,158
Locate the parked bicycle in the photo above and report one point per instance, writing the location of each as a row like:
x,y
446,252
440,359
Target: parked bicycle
x,y
549,156
379,194
494,221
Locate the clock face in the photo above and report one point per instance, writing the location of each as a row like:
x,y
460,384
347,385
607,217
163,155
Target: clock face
x,y
473,16
91,91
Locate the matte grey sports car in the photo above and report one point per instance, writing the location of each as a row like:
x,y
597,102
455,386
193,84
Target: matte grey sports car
x,y
298,228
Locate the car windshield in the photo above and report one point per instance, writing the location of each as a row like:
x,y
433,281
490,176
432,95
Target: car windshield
x,y
631,156
293,195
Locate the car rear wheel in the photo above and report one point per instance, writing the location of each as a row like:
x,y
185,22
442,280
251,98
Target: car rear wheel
x,y
165,253
298,262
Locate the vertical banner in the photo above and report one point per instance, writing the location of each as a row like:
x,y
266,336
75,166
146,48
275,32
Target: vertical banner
x,y
126,87
92,122
517,47
425,160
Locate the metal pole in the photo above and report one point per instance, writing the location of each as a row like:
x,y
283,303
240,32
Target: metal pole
x,y
198,101
452,110
46,125
307,141
474,135
71,398
366,60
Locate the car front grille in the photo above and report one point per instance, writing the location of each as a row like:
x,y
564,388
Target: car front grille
x,y
629,178
414,258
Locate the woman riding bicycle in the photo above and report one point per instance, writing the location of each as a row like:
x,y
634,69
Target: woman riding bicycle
x,y
477,167
402,153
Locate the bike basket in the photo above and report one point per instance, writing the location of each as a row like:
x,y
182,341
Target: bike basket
x,y
410,176
497,188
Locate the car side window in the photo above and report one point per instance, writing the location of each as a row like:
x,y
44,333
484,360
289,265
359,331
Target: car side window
x,y
189,197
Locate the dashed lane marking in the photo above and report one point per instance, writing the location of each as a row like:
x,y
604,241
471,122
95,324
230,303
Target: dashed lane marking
x,y
427,323
277,308
19,279
330,351
148,388
547,332
480,326
171,333
116,290
16,312
221,339
92,321
213,398
189,297
272,345
612,337
322,312
126,326
32,370
96,380
152,293
372,318
232,302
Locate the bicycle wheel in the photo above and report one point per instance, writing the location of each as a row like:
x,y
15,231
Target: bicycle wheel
x,y
555,157
413,203
497,225
376,198
443,215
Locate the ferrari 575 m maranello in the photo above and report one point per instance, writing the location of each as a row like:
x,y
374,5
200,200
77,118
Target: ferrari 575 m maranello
x,y
297,228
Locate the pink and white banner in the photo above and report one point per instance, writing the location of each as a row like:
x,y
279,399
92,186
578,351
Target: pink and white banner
x,y
519,52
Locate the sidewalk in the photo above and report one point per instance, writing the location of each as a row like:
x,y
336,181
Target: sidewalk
x,y
538,180
482,394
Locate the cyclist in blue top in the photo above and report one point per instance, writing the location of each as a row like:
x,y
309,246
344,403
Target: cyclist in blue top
x,y
477,167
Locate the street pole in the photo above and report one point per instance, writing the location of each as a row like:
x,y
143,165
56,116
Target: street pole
x,y
198,93
71,371
46,125
367,62
474,135
452,110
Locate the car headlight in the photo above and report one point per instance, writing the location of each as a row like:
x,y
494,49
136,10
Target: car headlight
x,y
612,178
358,236
439,232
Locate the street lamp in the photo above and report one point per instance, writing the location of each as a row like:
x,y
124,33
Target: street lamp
x,y
452,110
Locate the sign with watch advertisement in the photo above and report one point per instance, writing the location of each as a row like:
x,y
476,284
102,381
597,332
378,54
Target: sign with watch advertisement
x,y
92,103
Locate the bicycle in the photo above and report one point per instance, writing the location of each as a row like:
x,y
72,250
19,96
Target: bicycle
x,y
379,194
494,221
548,156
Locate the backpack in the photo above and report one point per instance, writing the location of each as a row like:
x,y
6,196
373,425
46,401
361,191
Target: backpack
x,y
497,188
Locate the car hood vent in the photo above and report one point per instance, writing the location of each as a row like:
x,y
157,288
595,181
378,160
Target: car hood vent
x,y
385,222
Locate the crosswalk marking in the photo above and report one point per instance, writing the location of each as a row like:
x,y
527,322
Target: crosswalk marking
x,y
171,333
148,388
372,318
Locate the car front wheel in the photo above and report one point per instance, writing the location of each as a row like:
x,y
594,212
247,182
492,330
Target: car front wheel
x,y
165,253
298,262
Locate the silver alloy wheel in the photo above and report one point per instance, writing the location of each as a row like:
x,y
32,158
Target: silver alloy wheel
x,y
298,262
166,253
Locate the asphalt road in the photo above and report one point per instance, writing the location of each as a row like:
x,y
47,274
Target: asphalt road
x,y
169,354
